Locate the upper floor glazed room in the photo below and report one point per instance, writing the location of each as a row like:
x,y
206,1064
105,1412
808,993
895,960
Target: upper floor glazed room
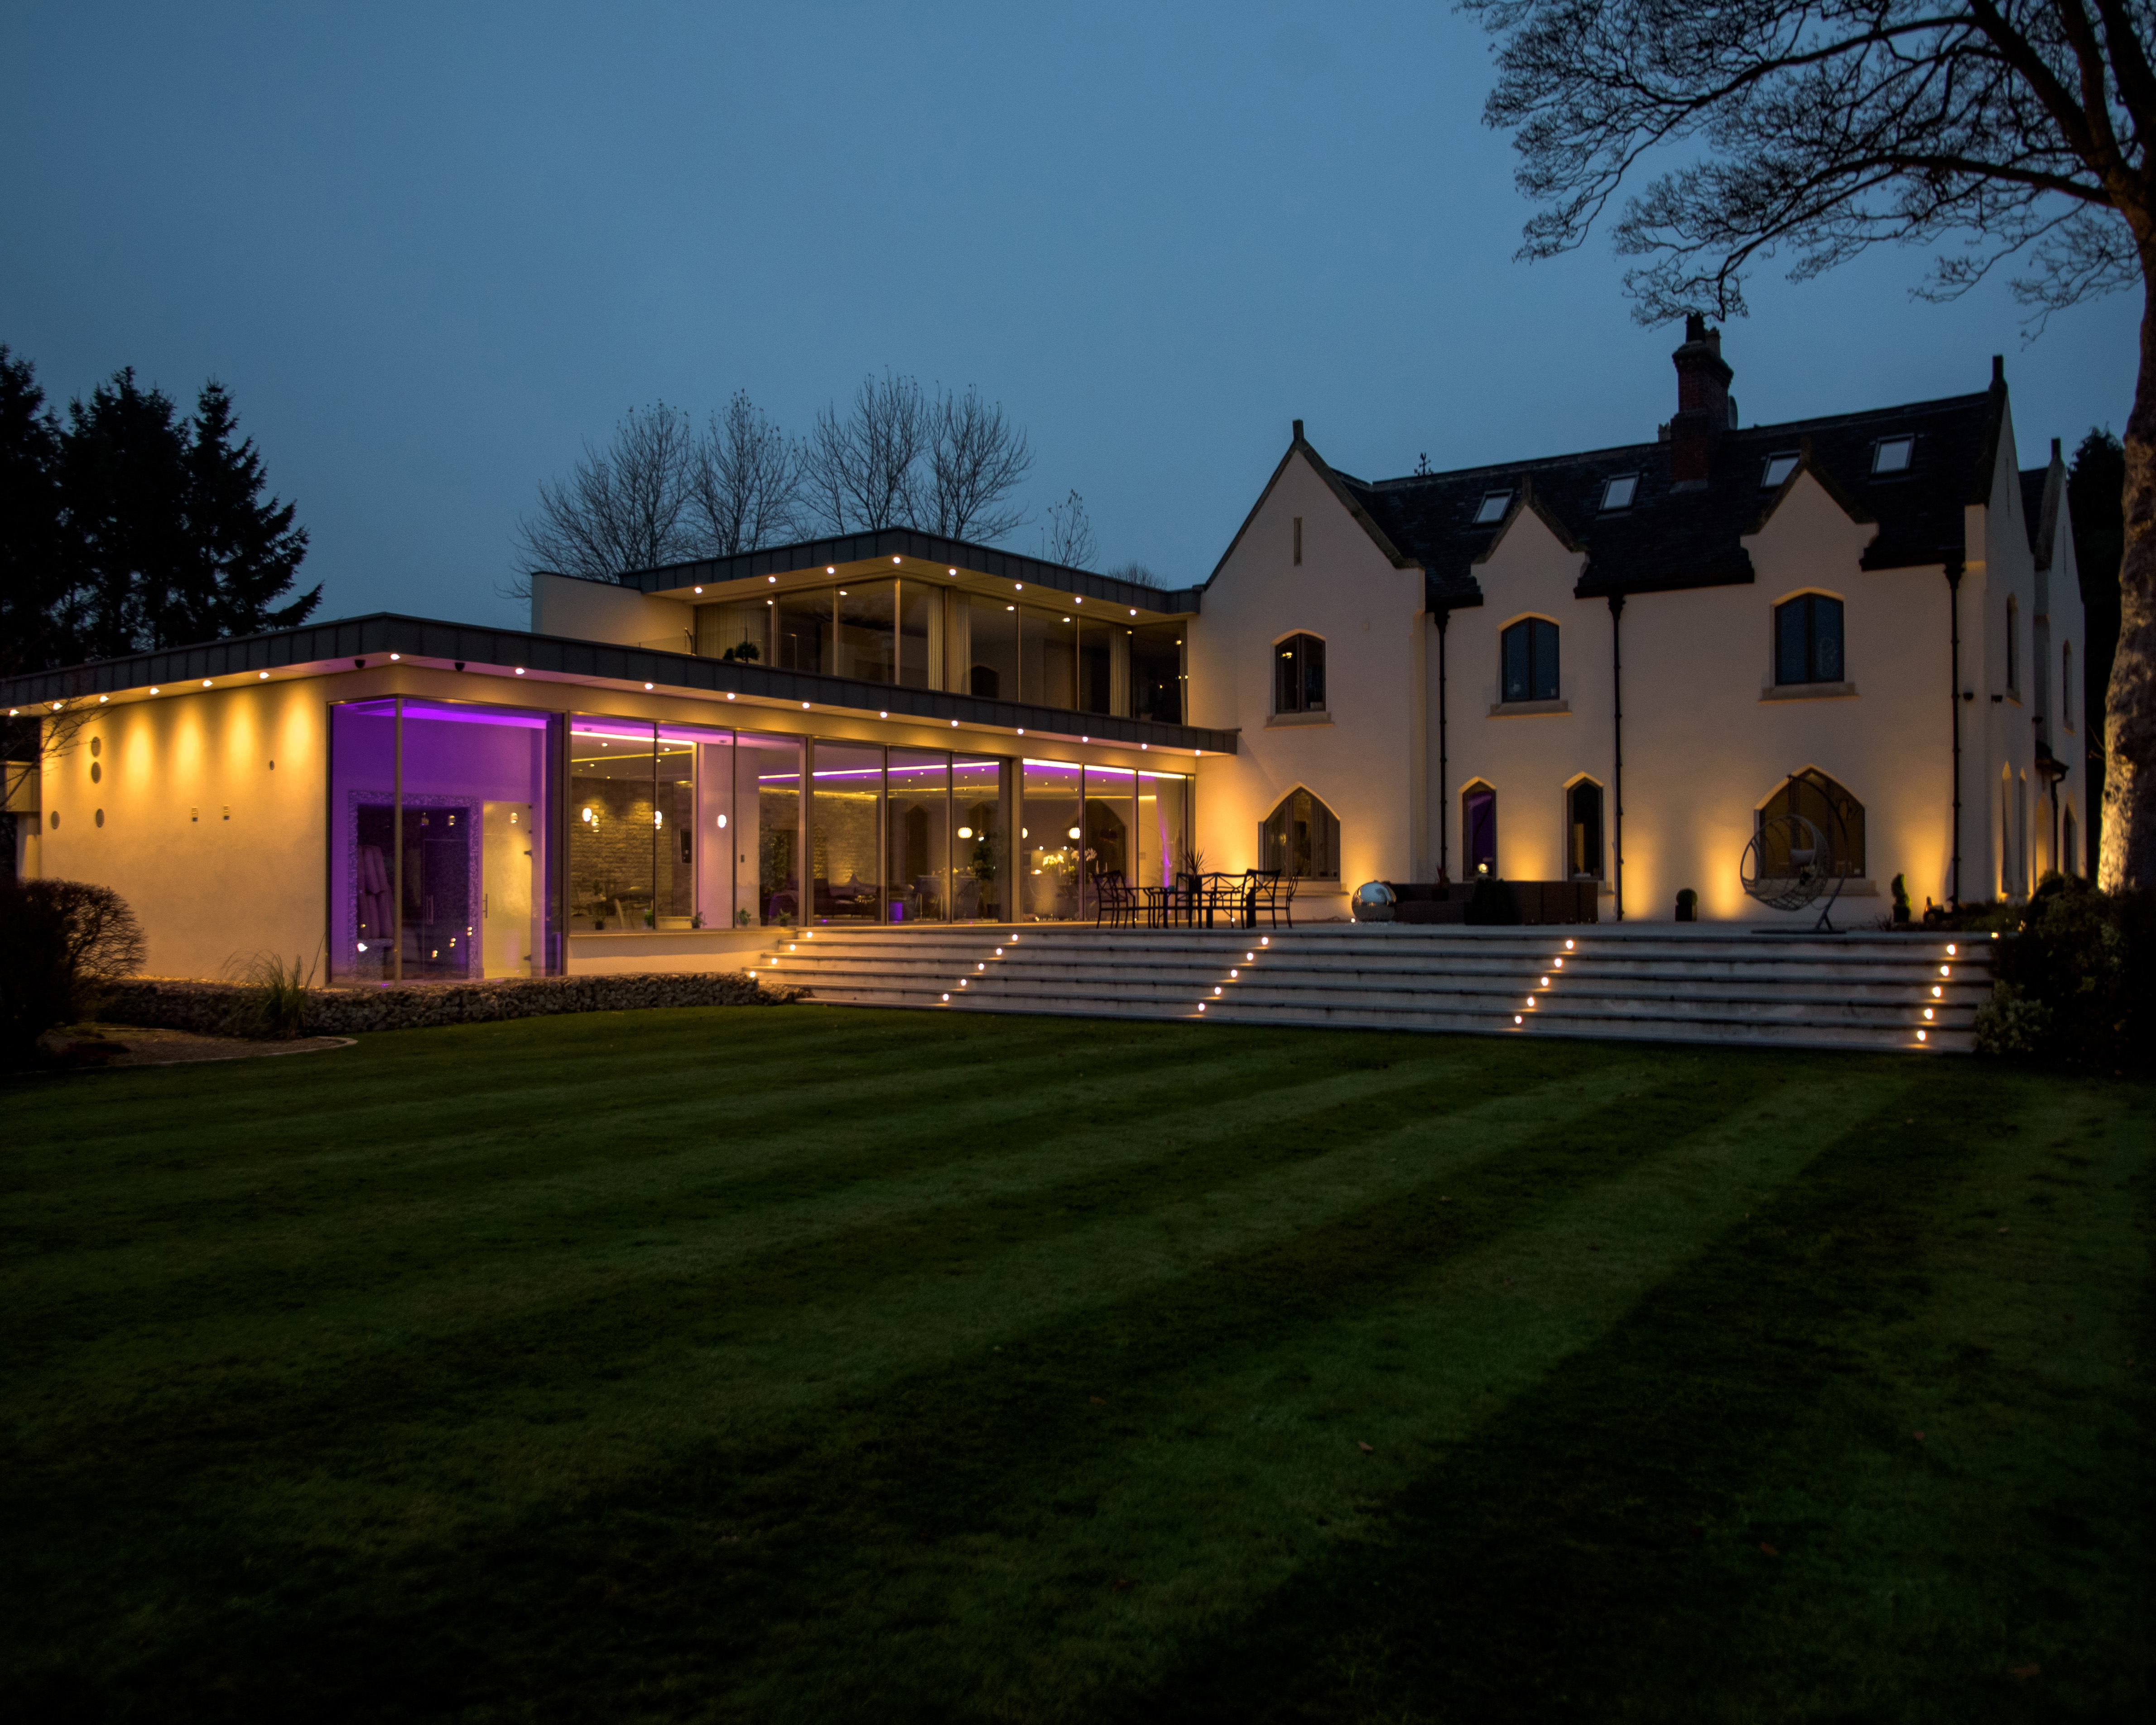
x,y
904,609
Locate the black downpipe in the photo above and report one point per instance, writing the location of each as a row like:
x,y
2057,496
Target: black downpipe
x,y
1443,761
1953,615
1617,728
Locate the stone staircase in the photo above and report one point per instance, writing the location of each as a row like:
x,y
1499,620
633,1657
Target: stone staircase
x,y
1659,983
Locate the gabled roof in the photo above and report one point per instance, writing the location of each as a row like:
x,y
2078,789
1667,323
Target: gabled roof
x,y
1673,537
1344,486
2043,492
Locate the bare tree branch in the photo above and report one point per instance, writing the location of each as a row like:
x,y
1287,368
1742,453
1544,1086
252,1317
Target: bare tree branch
x,y
860,474
1068,537
622,508
744,482
977,458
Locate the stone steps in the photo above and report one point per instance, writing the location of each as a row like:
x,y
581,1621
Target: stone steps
x,y
1704,985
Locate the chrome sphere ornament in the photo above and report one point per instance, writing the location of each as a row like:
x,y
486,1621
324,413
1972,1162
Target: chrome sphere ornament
x,y
1371,901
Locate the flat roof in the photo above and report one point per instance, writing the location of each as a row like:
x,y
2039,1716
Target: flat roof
x,y
319,649
857,556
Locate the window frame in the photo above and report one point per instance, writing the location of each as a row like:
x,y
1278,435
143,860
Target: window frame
x,y
1630,481
1811,601
1292,682
1906,441
1276,849
1483,516
1768,480
1531,624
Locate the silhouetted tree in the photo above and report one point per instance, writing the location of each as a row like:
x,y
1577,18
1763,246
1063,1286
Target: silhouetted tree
x,y
862,473
744,482
977,458
2014,130
623,507
32,581
1068,537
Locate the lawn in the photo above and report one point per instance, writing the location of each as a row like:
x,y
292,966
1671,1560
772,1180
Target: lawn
x,y
813,1364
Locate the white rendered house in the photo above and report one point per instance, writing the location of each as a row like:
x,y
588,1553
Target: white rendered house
x,y
1609,663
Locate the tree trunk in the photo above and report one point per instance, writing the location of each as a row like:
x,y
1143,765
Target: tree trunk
x,y
2129,739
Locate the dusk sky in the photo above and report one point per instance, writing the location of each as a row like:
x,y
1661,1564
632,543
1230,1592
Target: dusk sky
x,y
431,250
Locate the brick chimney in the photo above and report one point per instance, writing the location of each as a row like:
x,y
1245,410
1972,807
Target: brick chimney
x,y
1703,413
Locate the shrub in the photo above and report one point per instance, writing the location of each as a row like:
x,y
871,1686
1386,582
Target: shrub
x,y
2072,984
277,1006
61,942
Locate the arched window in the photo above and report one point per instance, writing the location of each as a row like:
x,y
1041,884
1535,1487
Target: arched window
x,y
1299,674
1807,641
1527,656
1582,807
1478,829
1838,816
1301,839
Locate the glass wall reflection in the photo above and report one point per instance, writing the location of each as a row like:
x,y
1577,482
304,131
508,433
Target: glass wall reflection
x,y
1110,823
1163,828
981,858
918,822
1051,871
767,844
452,878
845,829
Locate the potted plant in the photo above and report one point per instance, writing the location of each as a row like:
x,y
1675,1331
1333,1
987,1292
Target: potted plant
x,y
1687,904
1901,903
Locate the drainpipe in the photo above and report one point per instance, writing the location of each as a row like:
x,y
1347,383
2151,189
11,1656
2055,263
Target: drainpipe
x,y
1617,729
1953,616
1443,763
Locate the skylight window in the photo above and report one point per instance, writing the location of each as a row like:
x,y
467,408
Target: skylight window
x,y
1891,455
1777,468
1494,505
1618,493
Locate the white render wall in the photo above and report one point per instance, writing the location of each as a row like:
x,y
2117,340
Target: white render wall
x,y
1365,761
1708,738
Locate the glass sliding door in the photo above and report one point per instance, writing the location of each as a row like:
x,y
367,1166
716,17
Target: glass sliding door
x,y
802,630
1103,650
615,816
868,631
1156,672
1111,825
1163,828
917,871
767,832
981,858
920,635
992,647
363,842
846,832
1048,642
441,863
1051,870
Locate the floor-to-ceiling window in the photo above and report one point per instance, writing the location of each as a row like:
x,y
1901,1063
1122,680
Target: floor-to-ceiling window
x,y
846,832
1051,870
1163,829
917,821
767,816
440,862
1111,827
981,857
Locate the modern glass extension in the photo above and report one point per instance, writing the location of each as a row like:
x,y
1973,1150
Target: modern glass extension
x,y
468,841
923,636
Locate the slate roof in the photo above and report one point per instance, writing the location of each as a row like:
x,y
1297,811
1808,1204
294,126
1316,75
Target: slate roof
x,y
1673,538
